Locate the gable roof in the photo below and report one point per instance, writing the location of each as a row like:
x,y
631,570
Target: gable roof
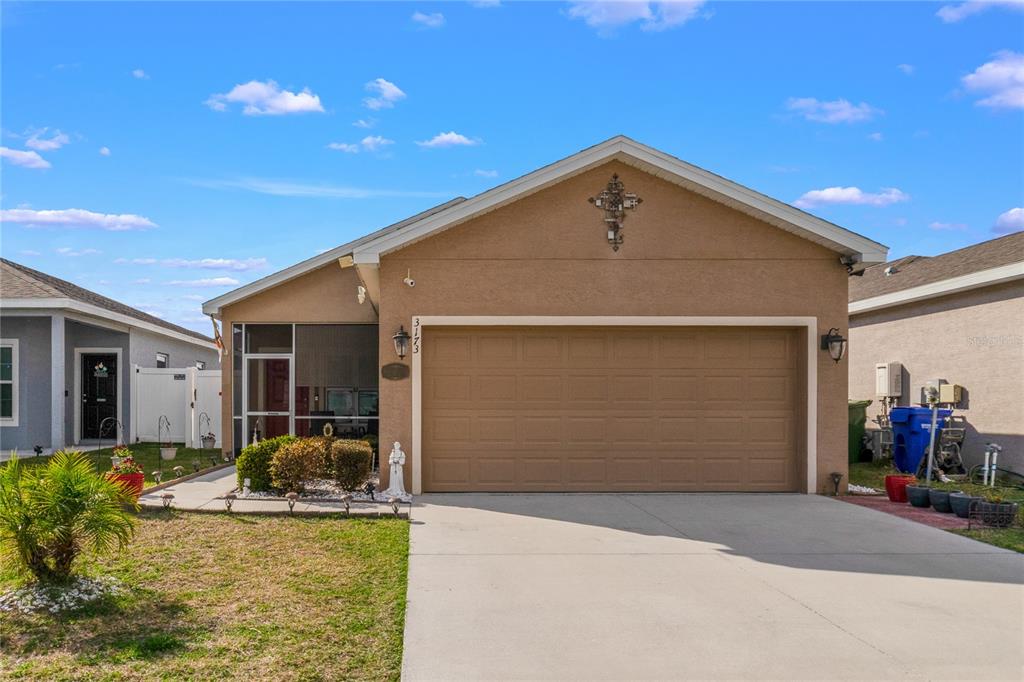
x,y
369,249
21,285
918,277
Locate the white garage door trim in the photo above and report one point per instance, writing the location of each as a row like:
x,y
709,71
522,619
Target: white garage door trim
x,y
419,322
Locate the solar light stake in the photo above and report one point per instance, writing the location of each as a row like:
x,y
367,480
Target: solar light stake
x,y
292,497
836,478
347,501
393,501
229,500
166,499
157,475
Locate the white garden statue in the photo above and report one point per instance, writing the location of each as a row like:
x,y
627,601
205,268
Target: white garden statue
x,y
396,481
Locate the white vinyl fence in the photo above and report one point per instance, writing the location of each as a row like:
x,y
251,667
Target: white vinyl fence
x,y
189,398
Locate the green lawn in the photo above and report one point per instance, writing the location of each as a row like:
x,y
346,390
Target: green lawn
x,y
873,474
230,597
148,457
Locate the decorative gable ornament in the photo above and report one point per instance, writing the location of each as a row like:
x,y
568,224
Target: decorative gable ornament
x,y
614,200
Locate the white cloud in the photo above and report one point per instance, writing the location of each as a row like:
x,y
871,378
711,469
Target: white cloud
x,y
366,123
484,4
850,195
907,69
76,217
136,261
606,16
22,158
287,188
207,282
104,151
266,99
140,74
370,143
29,252
1010,221
233,264
386,94
142,280
834,111
55,141
952,14
946,227
434,20
449,139
481,173
68,251
1002,79
876,137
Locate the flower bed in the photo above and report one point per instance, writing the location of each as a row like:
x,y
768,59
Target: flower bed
x,y
58,598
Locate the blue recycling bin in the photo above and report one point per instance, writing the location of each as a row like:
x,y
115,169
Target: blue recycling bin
x,y
910,427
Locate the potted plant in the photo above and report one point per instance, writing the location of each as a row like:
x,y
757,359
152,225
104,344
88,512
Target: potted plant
x,y
997,512
128,474
961,503
209,440
918,495
120,452
896,486
940,500
168,451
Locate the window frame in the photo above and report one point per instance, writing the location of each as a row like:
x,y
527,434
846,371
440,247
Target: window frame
x,y
13,381
165,358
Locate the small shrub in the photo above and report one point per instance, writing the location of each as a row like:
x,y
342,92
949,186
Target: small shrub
x,y
254,462
349,463
50,513
298,462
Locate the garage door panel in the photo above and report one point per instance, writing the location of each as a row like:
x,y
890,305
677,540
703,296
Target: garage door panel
x,y
610,409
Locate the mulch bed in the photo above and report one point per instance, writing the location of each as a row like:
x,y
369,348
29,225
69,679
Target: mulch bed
x,y
926,515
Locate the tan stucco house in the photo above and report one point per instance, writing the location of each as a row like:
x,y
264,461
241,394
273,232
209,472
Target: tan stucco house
x,y
959,317
567,334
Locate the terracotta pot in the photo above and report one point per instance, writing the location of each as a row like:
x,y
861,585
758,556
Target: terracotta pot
x,y
918,495
940,500
896,487
133,483
168,454
961,503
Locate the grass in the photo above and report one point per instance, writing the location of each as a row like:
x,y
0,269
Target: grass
x,y
873,474
148,457
229,596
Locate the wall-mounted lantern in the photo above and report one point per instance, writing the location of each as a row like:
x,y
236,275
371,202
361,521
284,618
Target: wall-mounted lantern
x,y
401,339
835,343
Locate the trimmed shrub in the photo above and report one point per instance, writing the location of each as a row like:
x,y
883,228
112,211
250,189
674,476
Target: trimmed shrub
x,y
349,463
254,462
298,462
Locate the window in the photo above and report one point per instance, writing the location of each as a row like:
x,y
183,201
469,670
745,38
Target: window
x,y
200,364
9,382
163,360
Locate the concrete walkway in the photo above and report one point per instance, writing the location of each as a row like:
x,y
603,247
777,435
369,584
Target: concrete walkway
x,y
702,587
206,492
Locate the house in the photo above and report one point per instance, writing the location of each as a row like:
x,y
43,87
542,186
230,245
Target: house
x,y
959,317
65,356
617,320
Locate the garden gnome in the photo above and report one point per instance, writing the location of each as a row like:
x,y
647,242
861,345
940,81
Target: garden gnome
x,y
396,483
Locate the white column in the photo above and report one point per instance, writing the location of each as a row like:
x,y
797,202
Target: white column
x,y
57,383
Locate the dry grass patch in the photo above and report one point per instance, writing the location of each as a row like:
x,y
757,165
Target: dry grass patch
x,y
230,596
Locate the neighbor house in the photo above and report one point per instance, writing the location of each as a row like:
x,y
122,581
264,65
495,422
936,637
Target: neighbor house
x,y
617,320
65,359
958,317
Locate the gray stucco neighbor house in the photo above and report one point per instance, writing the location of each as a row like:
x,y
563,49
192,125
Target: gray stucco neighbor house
x,y
65,359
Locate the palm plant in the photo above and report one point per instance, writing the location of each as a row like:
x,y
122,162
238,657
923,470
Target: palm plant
x,y
49,513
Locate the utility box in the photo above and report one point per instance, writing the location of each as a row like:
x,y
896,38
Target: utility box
x,y
889,379
932,387
950,394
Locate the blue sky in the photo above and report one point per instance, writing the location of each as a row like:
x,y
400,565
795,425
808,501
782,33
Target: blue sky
x,y
205,145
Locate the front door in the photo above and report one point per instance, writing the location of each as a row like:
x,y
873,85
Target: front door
x,y
268,396
99,395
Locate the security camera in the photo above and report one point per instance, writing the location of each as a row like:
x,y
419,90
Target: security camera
x,y
409,281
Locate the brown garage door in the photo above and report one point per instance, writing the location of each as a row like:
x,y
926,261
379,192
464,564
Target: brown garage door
x,y
610,409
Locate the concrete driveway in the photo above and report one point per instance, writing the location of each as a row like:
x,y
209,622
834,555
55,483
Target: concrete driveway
x,y
702,587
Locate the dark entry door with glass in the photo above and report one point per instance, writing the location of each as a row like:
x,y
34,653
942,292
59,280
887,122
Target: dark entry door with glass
x,y
99,394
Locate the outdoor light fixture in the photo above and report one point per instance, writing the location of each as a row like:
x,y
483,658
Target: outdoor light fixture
x,y
346,499
166,498
229,500
157,475
835,343
401,339
394,501
291,497
836,478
